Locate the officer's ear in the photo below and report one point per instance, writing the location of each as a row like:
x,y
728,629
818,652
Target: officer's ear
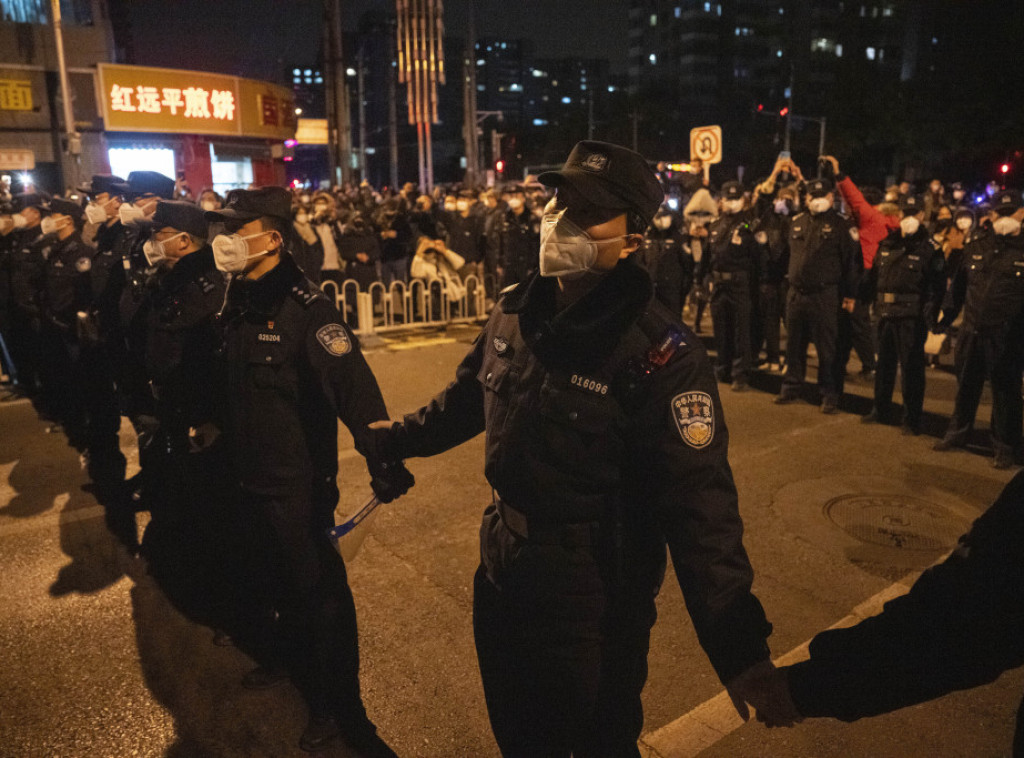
x,y
631,244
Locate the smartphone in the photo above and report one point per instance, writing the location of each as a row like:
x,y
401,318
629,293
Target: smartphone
x,y
784,155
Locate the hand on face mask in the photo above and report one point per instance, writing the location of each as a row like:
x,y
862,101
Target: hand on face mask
x,y
48,225
156,250
781,207
731,207
1006,225
131,215
19,221
819,205
95,213
909,226
231,252
566,250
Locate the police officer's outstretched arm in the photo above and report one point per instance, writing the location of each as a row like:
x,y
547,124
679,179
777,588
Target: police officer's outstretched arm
x,y
351,388
683,458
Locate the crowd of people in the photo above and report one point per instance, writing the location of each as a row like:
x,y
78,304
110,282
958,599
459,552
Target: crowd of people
x,y
202,322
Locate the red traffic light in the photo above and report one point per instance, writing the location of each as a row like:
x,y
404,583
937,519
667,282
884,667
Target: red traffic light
x,y
760,107
1005,168
784,111
499,166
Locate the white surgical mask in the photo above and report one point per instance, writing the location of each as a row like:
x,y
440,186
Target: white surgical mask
x,y
958,194
909,225
515,203
782,207
130,215
208,205
302,218
663,222
566,250
95,213
964,223
819,205
231,253
1005,225
20,222
48,225
732,206
156,250
462,205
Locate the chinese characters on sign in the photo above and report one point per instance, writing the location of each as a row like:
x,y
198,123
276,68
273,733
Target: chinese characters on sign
x,y
195,102
15,95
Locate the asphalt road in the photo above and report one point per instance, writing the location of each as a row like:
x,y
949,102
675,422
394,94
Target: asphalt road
x,y
97,663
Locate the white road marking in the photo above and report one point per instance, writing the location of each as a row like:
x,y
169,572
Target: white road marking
x,y
716,718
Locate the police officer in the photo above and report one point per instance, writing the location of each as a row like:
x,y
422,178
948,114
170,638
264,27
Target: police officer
x,y
26,265
665,256
824,266
989,288
774,214
910,281
730,263
605,439
517,239
293,369
67,291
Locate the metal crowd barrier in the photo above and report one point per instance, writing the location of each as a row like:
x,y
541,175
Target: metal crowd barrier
x,y
405,306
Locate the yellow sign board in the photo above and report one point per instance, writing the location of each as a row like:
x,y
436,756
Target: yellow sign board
x,y
143,99
15,95
312,131
17,160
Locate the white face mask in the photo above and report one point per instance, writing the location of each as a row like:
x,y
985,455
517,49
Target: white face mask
x,y
958,194
1006,225
156,250
462,205
95,213
909,225
782,207
515,203
732,206
130,215
566,250
964,223
208,205
819,205
20,222
302,218
231,253
663,222
48,225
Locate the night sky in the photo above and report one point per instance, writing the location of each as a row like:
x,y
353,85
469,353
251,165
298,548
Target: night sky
x,y
258,38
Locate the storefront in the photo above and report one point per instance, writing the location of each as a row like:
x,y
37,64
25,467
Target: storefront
x,y
214,130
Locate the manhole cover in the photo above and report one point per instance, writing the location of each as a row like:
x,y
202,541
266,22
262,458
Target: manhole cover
x,y
896,521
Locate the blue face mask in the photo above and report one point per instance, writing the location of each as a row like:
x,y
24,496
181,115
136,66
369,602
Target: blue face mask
x,y
782,207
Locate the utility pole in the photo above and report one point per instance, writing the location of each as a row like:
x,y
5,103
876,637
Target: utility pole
x,y
469,125
789,109
361,90
72,139
590,113
392,113
338,114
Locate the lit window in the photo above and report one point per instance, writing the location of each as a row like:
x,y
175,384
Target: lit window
x,y
719,9
881,53
309,80
540,122
778,53
308,72
515,87
870,53
887,11
583,88
566,100
554,82
839,51
480,61
707,7
679,12
480,88
654,19
653,59
935,40
296,72
863,11
782,11
611,89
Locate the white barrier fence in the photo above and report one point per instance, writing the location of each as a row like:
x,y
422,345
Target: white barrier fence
x,y
405,306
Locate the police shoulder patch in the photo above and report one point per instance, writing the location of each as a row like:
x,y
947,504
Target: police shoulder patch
x,y
334,339
694,415
762,238
82,265
855,234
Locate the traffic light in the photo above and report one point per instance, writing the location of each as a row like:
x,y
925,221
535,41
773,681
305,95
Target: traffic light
x,y
1005,168
499,166
784,111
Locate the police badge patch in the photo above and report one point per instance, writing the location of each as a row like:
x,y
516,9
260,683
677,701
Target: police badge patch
x,y
855,234
82,265
695,418
335,339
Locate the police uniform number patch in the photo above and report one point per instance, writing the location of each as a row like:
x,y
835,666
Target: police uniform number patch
x,y
335,339
695,418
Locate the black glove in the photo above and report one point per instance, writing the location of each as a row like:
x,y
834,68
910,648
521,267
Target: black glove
x,y
390,480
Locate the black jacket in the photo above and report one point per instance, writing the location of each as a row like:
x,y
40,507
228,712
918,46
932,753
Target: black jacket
x,y
608,410
989,285
293,369
665,256
824,251
732,247
909,276
68,283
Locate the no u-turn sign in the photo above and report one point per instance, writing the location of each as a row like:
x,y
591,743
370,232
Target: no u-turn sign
x,y
706,143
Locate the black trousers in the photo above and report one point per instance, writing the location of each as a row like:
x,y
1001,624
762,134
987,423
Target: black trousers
x,y
996,355
24,347
298,573
901,343
811,317
731,316
854,334
773,309
562,645
102,409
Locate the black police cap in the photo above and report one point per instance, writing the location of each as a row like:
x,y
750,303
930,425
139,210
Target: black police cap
x,y
249,205
37,200
610,176
1006,202
150,183
820,187
66,208
181,216
912,203
732,191
109,183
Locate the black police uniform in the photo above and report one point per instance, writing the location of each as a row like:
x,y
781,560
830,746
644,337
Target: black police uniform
x,y
731,259
27,271
824,267
517,237
605,440
910,282
665,256
293,369
7,243
772,231
989,288
960,626
67,290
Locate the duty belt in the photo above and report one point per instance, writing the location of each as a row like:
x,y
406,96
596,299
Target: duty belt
x,y
729,276
891,298
578,534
